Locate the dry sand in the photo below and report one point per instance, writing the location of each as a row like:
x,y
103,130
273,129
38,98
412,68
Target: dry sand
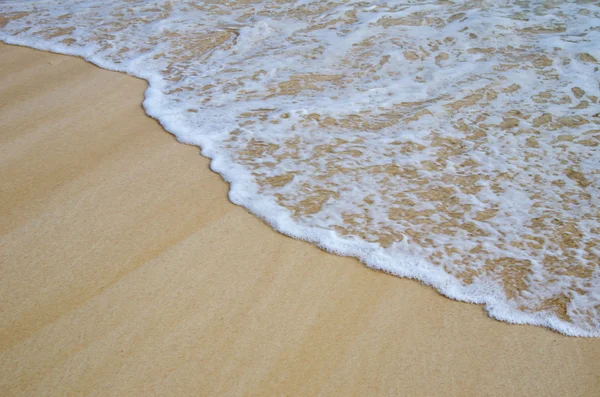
x,y
125,271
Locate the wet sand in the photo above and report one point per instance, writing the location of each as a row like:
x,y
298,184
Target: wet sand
x,y
125,271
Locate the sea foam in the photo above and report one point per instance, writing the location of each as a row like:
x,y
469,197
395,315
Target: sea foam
x,y
456,143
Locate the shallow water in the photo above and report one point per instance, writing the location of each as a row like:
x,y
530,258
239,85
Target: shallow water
x,y
452,142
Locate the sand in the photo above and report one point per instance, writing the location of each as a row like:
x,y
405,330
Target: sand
x,y
126,271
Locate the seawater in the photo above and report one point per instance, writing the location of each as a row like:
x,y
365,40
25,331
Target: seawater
x,y
454,142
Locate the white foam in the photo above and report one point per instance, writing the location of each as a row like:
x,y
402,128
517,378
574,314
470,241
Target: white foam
x,y
360,64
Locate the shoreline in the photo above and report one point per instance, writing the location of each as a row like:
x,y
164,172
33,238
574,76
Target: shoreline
x,y
127,215
424,273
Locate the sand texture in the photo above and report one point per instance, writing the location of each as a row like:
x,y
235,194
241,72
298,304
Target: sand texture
x,y
126,271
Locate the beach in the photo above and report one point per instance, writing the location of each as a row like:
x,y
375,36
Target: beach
x,y
126,271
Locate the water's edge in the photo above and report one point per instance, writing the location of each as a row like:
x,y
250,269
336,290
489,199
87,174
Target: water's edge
x,y
412,268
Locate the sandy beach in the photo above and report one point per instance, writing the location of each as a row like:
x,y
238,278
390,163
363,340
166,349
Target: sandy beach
x,y
126,271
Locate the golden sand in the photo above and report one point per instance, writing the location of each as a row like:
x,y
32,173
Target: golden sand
x,y
125,271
